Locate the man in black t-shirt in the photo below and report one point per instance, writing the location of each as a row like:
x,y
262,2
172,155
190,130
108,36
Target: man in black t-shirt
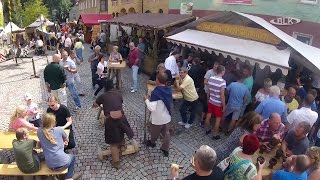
x,y
161,69
63,118
203,162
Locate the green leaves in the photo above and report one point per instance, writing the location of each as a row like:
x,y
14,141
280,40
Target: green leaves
x,y
32,10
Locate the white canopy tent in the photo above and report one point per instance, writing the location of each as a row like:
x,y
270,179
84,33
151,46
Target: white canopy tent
x,y
245,50
15,28
311,54
41,21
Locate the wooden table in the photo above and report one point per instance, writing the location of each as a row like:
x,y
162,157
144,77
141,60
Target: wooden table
x,y
117,66
175,93
267,172
6,138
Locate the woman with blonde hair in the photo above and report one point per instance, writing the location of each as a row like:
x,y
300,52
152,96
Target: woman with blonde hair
x,y
52,140
19,119
314,169
263,93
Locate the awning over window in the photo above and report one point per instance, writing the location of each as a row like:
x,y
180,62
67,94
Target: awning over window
x,y
311,54
245,50
94,19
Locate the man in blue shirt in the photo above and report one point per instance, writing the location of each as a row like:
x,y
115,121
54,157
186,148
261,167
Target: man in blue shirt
x,y
273,104
238,94
299,164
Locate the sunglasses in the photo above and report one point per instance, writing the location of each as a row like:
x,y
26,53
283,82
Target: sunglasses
x,y
51,105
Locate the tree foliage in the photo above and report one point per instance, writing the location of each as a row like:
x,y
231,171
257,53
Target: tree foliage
x,y
16,9
32,10
62,6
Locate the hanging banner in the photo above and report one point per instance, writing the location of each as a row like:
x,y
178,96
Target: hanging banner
x,y
245,2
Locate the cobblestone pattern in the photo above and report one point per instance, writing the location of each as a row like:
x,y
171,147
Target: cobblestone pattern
x,y
89,134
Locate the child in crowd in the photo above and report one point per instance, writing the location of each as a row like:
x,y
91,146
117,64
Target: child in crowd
x,y
32,111
19,119
26,158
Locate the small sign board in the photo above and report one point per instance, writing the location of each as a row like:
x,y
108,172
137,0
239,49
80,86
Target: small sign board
x,y
186,8
285,21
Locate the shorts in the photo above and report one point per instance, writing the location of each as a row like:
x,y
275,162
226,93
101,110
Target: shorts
x,y
235,111
215,110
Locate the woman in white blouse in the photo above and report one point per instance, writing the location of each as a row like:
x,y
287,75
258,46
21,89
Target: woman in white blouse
x,y
102,73
263,93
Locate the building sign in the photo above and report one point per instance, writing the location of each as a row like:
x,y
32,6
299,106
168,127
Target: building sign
x,y
186,8
245,2
285,21
242,32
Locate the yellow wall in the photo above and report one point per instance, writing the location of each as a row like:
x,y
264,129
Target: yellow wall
x,y
91,8
155,5
122,6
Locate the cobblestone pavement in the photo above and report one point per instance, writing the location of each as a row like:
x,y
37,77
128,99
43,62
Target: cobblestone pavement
x,y
146,164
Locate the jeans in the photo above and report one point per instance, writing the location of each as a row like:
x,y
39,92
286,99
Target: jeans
x,y
94,76
135,69
70,165
61,94
74,93
183,111
101,83
78,83
79,54
71,143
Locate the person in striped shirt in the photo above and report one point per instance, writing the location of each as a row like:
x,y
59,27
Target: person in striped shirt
x,y
216,97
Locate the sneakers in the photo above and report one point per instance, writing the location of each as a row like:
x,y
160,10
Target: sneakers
x,y
181,123
216,137
165,153
131,88
77,176
208,131
76,109
115,165
187,126
133,91
150,144
81,94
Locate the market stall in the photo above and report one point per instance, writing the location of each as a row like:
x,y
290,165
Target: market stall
x,y
17,32
90,24
150,26
249,39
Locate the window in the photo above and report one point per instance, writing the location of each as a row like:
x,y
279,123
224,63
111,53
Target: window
x,y
310,1
114,2
103,5
305,38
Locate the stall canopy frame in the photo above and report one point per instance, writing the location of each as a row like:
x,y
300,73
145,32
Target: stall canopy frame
x,y
245,50
151,20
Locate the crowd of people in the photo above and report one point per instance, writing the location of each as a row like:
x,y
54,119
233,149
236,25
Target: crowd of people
x,y
271,117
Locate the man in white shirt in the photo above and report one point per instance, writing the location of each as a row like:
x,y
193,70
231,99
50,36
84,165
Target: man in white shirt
x,y
39,43
304,113
68,43
171,64
160,107
70,70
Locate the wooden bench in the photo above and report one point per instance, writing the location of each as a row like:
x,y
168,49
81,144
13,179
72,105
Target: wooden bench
x,y
13,170
6,138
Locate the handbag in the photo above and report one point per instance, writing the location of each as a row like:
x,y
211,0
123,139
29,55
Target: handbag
x,y
224,163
